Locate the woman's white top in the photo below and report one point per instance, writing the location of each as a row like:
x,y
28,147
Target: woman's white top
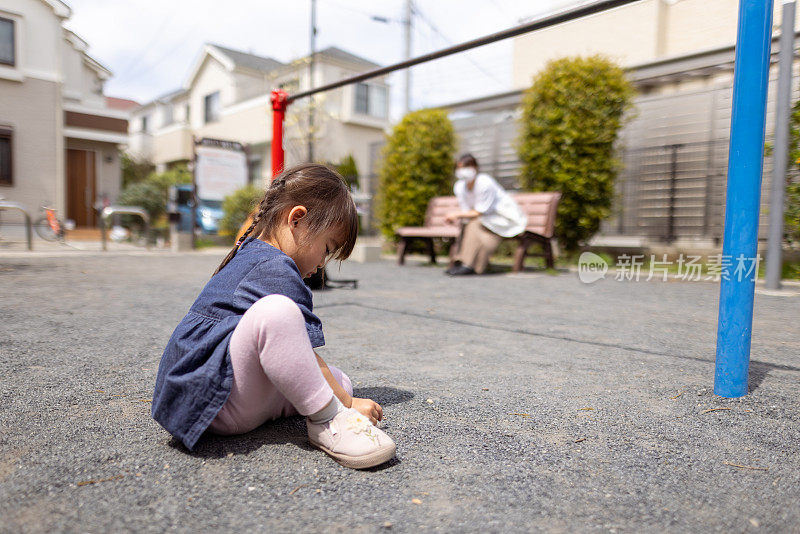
x,y
499,212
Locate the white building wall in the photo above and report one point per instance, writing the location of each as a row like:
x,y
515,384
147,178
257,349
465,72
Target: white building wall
x,y
30,105
31,110
628,35
72,71
39,37
212,77
633,34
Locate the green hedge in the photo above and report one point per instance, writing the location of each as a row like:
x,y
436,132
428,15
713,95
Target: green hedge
x,y
417,166
237,206
151,193
570,119
792,214
349,171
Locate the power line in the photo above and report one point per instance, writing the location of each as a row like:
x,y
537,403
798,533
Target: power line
x,y
436,30
165,55
153,40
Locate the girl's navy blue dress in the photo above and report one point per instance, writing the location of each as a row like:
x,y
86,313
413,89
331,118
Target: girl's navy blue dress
x,y
195,375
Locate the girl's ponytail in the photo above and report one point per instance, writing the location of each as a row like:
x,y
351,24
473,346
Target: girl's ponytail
x,y
324,194
239,242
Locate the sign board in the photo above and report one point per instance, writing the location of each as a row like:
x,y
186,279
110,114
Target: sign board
x,y
220,168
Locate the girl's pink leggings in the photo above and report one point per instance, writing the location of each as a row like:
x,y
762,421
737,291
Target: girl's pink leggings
x,y
275,371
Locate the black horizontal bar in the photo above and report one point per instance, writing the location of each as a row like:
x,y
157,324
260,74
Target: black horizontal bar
x,y
538,24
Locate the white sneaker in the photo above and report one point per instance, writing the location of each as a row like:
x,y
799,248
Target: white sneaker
x,y
352,440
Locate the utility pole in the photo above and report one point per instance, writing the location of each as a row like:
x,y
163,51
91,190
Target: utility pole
x,y
407,22
311,61
780,154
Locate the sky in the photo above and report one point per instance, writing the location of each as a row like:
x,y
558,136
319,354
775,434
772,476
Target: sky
x,y
150,45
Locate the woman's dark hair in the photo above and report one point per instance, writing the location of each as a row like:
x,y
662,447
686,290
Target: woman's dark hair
x,y
467,160
325,196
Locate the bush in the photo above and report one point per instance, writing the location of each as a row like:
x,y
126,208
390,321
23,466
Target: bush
x,y
570,119
144,195
792,213
237,206
151,193
349,171
178,175
791,226
418,165
134,170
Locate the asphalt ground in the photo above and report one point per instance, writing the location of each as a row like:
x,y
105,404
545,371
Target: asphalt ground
x,y
519,403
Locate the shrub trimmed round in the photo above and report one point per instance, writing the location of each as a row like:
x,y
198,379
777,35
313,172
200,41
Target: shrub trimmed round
x,y
571,116
417,166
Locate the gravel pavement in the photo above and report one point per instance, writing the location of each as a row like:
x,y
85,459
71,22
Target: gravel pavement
x,y
519,403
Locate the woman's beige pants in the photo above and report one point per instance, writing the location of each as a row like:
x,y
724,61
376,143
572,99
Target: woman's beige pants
x,y
477,245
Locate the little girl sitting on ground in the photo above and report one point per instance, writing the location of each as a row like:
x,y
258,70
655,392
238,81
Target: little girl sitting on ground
x,y
243,354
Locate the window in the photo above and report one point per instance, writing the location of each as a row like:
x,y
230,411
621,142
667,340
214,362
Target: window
x,y
212,107
145,126
168,115
5,157
362,98
371,100
7,52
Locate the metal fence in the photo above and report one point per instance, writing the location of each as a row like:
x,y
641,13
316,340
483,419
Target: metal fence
x,y
671,191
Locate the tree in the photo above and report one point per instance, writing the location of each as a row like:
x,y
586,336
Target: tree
x,y
417,166
237,207
134,170
349,171
570,119
144,195
151,193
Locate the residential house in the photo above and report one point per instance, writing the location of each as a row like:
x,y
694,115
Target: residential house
x,y
59,136
679,54
226,96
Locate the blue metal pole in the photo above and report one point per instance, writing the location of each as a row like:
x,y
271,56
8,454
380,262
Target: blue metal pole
x,y
745,160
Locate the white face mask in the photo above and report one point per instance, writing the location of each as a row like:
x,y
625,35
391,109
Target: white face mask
x,y
466,173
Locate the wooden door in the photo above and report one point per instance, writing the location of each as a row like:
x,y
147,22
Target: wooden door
x,y
81,187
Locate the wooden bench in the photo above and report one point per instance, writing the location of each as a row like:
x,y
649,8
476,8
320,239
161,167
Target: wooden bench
x,y
539,207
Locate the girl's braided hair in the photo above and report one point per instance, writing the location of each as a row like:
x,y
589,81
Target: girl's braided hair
x,y
325,196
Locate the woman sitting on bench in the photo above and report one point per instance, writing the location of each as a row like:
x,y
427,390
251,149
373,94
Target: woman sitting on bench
x,y
491,215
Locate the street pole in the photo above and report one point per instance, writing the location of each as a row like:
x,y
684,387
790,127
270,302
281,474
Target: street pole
x,y
279,103
312,59
195,201
745,161
783,111
407,73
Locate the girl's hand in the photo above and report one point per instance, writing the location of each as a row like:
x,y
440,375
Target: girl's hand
x,y
368,408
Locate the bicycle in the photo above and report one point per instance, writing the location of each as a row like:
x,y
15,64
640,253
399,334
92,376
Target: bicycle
x,y
49,227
